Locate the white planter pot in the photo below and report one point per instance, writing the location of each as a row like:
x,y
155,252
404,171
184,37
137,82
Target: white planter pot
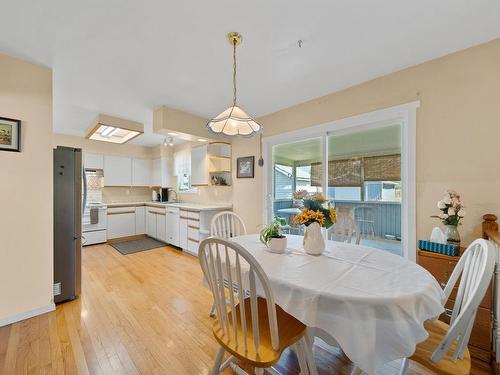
x,y
277,245
314,243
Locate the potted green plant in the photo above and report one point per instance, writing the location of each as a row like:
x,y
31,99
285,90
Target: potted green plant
x,y
272,235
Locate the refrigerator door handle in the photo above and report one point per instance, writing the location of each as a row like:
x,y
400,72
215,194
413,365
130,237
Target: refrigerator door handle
x,y
84,203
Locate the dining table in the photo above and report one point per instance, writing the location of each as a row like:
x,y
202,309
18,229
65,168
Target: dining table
x,y
371,303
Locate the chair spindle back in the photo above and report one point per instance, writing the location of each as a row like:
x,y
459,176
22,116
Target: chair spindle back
x,y
225,260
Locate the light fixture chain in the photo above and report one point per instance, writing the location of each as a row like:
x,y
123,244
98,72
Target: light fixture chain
x,y
234,72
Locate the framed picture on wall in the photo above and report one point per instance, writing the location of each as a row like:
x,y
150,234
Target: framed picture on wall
x,y
10,134
245,167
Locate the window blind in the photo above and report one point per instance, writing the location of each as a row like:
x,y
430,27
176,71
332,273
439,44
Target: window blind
x,y
382,168
352,172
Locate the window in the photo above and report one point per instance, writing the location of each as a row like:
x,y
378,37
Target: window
x,y
182,170
283,181
383,191
304,179
345,193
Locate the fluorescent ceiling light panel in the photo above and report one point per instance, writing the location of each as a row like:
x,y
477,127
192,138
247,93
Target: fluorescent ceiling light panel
x,y
114,130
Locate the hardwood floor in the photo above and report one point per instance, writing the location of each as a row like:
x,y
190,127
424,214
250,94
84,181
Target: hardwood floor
x,y
145,313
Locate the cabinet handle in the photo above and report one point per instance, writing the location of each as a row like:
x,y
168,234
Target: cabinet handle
x,y
193,240
121,212
193,227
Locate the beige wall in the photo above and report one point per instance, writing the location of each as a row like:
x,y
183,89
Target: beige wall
x,y
458,131
26,229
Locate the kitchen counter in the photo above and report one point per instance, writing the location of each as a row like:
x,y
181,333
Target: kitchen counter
x,y
181,205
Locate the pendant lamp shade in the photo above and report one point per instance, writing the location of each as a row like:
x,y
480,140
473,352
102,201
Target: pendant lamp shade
x,y
234,121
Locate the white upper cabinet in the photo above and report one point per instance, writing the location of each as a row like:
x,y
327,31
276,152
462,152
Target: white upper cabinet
x,y
199,166
162,172
117,171
93,161
141,172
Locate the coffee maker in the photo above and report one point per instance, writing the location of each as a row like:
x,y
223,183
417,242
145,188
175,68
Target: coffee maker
x,y
164,194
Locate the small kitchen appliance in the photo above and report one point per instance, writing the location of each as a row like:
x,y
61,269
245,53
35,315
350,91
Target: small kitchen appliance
x,y
164,194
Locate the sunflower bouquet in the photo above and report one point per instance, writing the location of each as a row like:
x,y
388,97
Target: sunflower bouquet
x,y
316,209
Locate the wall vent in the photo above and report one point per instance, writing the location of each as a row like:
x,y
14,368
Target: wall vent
x,y
56,289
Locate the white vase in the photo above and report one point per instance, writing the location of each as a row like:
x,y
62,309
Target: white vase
x,y
277,245
314,243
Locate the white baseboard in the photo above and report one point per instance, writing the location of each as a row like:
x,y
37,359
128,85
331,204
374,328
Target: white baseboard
x,y
27,314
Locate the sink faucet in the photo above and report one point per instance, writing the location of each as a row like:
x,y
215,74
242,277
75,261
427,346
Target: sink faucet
x,y
173,191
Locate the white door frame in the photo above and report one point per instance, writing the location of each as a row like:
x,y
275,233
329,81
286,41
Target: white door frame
x,y
405,114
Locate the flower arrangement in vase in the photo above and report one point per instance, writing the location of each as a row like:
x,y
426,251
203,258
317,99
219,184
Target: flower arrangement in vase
x,y
316,214
452,211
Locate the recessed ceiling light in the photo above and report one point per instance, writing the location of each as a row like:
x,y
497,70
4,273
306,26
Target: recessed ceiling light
x,y
172,134
113,129
201,140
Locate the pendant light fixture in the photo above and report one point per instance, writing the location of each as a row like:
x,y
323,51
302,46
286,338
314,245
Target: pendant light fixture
x,y
234,121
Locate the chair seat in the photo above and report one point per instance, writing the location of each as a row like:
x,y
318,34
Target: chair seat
x,y
446,366
290,331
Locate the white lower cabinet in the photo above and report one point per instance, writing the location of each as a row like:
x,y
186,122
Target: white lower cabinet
x,y
120,222
140,220
150,223
183,229
156,223
161,232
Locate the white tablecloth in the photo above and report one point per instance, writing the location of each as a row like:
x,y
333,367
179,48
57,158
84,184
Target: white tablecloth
x,y
371,302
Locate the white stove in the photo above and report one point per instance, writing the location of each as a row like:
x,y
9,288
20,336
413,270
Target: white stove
x,y
94,232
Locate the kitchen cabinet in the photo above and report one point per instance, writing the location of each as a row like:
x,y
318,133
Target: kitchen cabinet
x,y
117,171
199,166
120,222
161,227
140,220
150,223
141,172
162,172
93,161
156,223
172,225
156,173
183,229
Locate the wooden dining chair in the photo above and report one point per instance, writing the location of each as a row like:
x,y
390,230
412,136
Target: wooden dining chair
x,y
445,351
253,330
344,228
226,224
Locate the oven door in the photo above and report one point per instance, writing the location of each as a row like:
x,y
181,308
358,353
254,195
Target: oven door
x,y
101,224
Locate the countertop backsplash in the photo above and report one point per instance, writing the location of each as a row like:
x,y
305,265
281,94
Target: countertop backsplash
x,y
126,194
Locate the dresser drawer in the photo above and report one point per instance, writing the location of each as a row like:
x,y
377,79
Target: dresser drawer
x,y
195,215
441,267
481,332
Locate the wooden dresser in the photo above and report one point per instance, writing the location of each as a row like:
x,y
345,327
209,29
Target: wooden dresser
x,y
441,266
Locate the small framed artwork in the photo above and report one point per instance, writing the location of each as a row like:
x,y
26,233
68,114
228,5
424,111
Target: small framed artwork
x,y
245,167
10,134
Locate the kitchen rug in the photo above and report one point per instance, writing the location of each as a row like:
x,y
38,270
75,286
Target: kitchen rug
x,y
135,246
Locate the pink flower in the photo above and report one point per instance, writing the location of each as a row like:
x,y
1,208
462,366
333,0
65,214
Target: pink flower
x,y
451,211
443,216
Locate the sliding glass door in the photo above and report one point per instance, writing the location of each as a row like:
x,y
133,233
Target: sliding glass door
x,y
296,166
359,170
364,183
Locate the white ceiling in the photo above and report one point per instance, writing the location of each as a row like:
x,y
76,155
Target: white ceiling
x,y
125,57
